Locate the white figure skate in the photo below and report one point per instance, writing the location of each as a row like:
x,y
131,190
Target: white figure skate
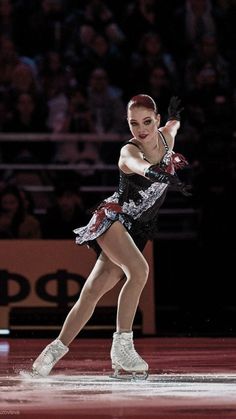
x,y
124,357
48,358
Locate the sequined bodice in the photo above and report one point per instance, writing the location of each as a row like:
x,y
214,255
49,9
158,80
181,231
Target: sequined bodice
x,y
139,197
135,204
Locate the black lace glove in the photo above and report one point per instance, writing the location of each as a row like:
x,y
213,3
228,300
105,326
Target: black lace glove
x,y
156,174
174,109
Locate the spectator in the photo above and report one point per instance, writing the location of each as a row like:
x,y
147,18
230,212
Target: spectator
x,y
24,80
209,99
15,221
97,14
105,103
77,50
77,120
52,67
6,21
79,116
191,22
107,110
150,54
28,202
27,118
46,27
102,54
207,54
62,217
143,16
160,87
8,61
225,15
57,103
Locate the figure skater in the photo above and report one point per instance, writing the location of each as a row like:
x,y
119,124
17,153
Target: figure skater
x,y
119,230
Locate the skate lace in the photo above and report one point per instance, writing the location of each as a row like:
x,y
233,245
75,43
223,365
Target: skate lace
x,y
51,354
48,356
131,353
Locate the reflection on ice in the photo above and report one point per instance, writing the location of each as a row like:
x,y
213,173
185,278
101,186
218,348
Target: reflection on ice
x,y
96,391
208,382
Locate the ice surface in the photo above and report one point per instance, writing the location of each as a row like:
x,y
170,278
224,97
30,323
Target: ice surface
x,y
23,387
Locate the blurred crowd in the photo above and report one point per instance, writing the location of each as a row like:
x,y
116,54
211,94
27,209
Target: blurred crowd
x,y
70,66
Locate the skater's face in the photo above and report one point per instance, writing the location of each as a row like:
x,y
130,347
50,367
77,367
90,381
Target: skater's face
x,y
143,123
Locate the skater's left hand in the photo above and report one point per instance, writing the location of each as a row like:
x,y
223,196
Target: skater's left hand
x,y
175,109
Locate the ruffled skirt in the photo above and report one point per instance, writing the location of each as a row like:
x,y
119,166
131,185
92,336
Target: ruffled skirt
x,y
104,216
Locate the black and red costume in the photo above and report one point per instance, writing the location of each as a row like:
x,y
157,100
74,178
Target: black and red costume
x,y
135,204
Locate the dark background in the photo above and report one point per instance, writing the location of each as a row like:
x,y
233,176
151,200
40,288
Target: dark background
x,y
71,67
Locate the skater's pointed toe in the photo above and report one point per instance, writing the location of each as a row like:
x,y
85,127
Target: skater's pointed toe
x,y
43,365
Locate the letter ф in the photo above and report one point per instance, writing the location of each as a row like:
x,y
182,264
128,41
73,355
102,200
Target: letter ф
x,y
6,296
62,279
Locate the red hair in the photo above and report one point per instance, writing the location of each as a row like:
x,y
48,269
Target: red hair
x,y
142,101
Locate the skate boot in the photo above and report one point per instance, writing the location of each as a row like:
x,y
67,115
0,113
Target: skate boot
x,y
124,357
48,358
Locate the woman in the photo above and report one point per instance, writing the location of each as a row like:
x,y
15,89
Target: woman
x,y
119,230
15,219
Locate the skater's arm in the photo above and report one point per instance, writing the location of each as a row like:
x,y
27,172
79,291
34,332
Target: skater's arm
x,y
173,123
131,160
169,131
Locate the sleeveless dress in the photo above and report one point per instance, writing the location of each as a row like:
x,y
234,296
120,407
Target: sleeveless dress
x,y
135,204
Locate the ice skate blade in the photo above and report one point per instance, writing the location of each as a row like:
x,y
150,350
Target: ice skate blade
x,y
129,376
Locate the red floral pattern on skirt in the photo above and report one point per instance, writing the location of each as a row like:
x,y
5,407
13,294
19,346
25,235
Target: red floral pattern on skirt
x,y
101,213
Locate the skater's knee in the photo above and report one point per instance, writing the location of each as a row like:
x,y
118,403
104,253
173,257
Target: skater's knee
x,y
139,272
143,272
97,286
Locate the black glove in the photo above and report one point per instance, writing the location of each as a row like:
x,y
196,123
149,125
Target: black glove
x,y
174,109
156,174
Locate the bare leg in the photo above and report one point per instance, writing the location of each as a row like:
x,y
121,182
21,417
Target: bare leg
x,y
121,249
120,255
103,277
